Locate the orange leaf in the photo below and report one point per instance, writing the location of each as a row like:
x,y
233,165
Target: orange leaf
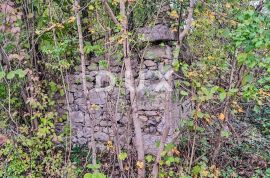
x,y
221,117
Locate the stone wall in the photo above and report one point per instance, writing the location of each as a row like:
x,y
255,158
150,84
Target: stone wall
x,y
112,106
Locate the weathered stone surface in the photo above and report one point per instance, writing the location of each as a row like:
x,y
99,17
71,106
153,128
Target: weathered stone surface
x,y
78,94
151,113
155,64
150,142
105,123
81,103
87,132
82,141
101,136
92,66
143,118
158,52
77,116
97,97
149,63
156,33
70,98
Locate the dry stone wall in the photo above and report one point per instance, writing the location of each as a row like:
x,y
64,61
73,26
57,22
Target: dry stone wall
x,y
111,107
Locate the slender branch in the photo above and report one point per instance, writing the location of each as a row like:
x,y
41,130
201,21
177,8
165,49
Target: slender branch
x,y
166,130
129,79
85,90
168,94
188,22
110,12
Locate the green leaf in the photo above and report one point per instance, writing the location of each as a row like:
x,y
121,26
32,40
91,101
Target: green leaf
x,y
11,75
242,57
21,73
93,167
184,93
149,158
225,134
200,114
2,74
222,96
233,90
88,175
196,170
123,156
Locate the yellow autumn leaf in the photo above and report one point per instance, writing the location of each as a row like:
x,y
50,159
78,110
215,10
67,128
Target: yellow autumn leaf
x,y
37,32
120,41
71,19
91,7
109,145
91,30
204,173
30,15
95,107
174,14
59,25
221,117
228,6
210,58
139,164
174,30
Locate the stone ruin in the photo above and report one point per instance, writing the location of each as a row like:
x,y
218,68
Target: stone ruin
x,y
113,106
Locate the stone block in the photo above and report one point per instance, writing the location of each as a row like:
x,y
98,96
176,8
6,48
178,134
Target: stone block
x,y
76,116
158,32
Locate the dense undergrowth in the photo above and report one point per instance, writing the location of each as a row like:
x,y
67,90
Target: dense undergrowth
x,y
224,63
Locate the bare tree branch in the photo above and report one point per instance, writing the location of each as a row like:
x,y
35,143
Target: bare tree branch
x,y
85,90
130,79
188,22
168,94
110,12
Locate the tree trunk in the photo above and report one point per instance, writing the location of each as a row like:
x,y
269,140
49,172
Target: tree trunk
x,y
129,79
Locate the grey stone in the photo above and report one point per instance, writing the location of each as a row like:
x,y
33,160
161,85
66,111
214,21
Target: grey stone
x,y
158,119
152,129
158,52
152,68
101,136
87,132
93,73
160,126
151,113
105,123
97,128
81,103
76,116
149,63
82,141
74,139
72,88
158,32
70,98
115,69
97,97
150,105
150,141
92,66
151,122
143,118
80,133
114,63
